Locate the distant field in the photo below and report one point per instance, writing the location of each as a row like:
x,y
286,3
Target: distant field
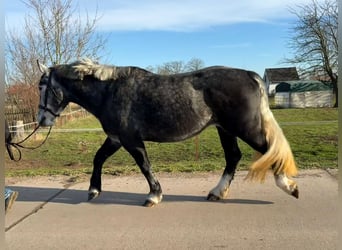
x,y
314,144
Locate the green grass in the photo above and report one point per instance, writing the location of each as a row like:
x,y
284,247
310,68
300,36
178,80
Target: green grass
x,y
314,146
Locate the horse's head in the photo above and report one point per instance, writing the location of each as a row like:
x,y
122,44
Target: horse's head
x,y
52,99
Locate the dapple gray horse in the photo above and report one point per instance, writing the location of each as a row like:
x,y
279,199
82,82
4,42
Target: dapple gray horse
x,y
134,105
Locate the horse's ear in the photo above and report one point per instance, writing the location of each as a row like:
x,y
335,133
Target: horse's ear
x,y
42,67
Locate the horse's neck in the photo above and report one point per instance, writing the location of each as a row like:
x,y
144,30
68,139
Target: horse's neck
x,y
88,96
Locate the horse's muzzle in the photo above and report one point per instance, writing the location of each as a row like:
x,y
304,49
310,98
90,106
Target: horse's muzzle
x,y
45,121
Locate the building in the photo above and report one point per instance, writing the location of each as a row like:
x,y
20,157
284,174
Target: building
x,y
274,76
303,94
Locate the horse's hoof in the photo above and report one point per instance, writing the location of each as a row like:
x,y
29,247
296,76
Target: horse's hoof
x,y
212,197
153,199
93,193
149,203
295,193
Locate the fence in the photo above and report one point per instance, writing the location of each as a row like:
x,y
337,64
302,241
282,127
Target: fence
x,y
72,115
13,114
19,128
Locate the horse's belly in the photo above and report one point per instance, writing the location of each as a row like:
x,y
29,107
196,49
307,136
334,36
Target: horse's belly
x,y
175,128
173,115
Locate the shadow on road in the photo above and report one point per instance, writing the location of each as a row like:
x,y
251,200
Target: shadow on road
x,y
73,196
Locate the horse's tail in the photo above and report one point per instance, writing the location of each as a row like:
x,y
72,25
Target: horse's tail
x,y
278,156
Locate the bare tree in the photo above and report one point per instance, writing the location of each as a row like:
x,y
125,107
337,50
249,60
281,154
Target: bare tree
x,y
175,67
194,64
315,42
54,33
169,68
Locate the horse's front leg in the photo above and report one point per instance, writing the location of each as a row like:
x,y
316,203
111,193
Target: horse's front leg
x,y
109,147
137,150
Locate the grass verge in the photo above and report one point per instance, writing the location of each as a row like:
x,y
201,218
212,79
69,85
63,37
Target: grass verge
x,y
314,145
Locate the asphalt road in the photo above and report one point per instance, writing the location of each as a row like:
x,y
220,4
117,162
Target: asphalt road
x,y
52,213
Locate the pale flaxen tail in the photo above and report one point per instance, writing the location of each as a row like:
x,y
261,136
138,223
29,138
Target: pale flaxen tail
x,y
279,155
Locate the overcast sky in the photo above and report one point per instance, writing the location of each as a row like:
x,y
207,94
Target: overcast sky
x,y
247,34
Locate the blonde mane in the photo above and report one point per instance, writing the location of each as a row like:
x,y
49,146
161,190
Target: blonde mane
x,y
87,67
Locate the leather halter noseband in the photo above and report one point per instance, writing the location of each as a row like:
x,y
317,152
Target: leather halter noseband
x,y
45,107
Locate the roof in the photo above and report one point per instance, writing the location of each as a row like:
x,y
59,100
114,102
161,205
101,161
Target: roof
x,y
302,86
281,74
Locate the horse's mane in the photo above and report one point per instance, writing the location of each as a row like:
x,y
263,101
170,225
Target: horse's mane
x,y
86,67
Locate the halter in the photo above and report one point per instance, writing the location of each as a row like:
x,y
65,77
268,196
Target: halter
x,y
18,145
45,107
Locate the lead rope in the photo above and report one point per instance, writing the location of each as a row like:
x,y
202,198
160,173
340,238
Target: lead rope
x,y
18,145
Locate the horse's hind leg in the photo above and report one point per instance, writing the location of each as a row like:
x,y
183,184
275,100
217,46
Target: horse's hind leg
x,y
137,150
109,147
232,155
269,159
287,185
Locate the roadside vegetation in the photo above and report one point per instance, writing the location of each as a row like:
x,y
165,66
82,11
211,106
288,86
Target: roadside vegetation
x,y
312,134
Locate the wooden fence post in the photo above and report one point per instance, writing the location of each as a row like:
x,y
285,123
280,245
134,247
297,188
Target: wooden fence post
x,y
196,147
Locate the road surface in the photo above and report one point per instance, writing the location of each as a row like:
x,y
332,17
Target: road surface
x,y
52,213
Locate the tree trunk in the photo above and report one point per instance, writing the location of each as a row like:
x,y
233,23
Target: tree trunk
x,y
336,99
335,89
